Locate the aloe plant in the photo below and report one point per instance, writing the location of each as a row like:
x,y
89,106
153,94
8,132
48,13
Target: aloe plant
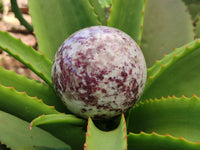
x,y
165,117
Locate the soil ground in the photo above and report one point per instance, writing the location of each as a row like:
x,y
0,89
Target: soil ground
x,y
9,23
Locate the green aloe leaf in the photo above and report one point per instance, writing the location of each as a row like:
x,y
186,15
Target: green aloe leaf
x,y
144,141
15,133
66,17
68,128
101,15
37,62
127,15
57,118
167,24
31,87
22,105
101,140
178,117
176,74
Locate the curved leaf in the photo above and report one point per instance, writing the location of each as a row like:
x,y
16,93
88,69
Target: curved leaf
x,y
21,105
37,62
127,15
166,25
176,74
68,128
101,140
178,117
31,87
14,133
54,21
57,118
144,141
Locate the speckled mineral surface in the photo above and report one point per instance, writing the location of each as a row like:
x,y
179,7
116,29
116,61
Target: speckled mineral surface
x,y
99,72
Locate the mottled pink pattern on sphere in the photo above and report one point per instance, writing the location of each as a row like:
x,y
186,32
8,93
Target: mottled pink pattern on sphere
x,y
99,72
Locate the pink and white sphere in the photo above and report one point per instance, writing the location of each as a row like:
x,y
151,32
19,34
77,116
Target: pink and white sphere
x,y
99,72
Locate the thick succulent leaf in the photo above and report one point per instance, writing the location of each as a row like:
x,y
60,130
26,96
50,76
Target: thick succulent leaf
x,y
66,17
178,117
32,87
101,140
37,62
144,141
68,128
127,15
58,118
167,24
101,15
22,105
15,133
176,74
